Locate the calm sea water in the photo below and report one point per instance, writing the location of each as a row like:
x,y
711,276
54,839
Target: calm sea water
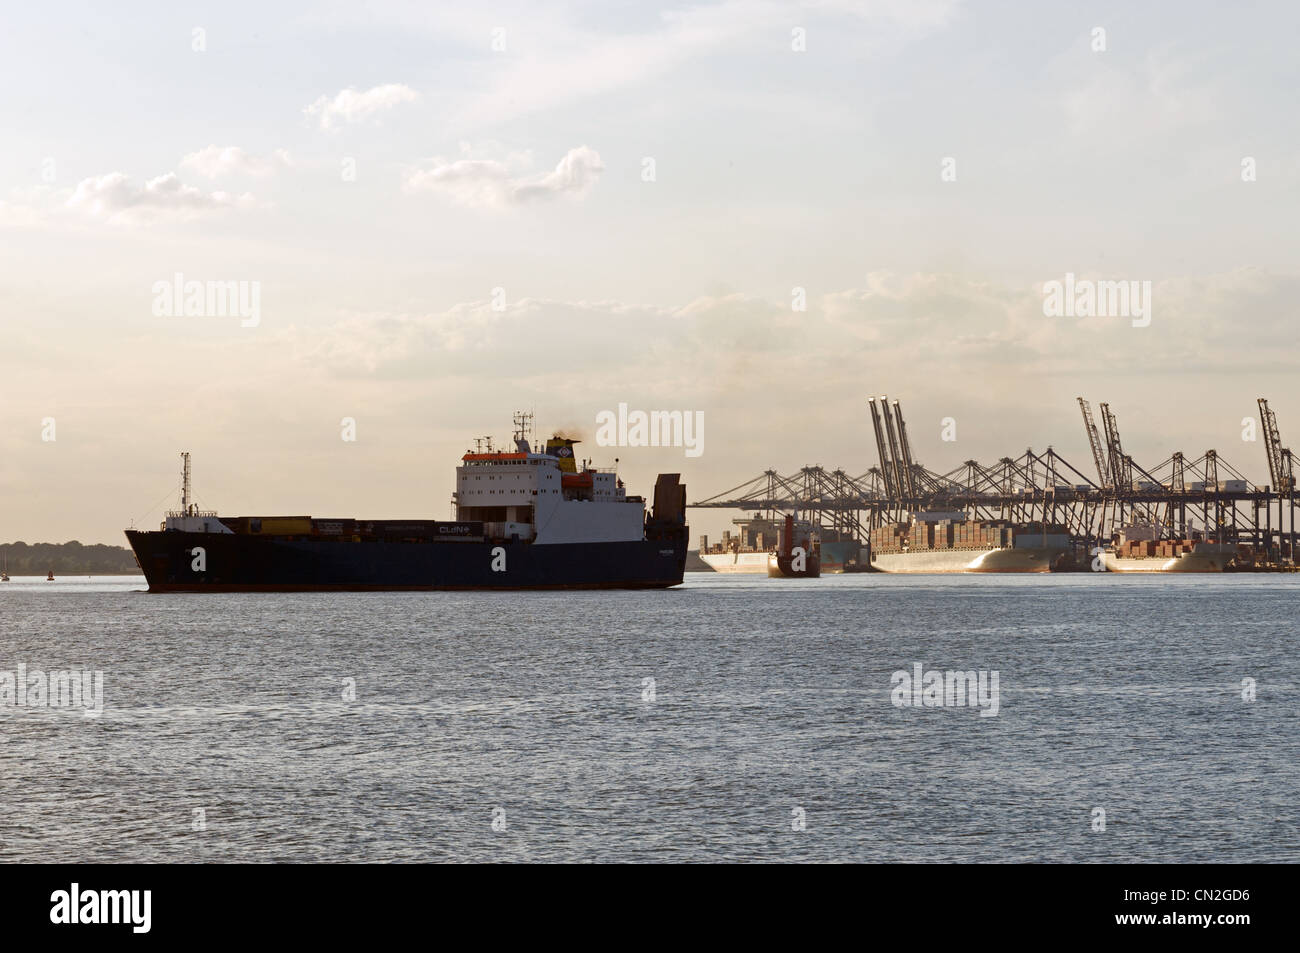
x,y
771,707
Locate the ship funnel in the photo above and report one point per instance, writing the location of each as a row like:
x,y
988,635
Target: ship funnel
x,y
562,449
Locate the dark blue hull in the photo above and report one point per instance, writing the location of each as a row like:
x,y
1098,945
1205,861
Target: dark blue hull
x,y
239,563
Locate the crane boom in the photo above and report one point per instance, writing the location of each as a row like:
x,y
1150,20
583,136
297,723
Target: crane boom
x,y
899,480
1119,466
1094,441
1279,458
906,448
886,464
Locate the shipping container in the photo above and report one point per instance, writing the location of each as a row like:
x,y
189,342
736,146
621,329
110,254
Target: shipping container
x,y
278,525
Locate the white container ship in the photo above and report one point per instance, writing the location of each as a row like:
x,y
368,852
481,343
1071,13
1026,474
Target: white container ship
x,y
750,548
948,543
1173,556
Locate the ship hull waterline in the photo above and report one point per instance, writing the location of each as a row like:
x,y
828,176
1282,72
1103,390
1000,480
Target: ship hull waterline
x,y
1188,563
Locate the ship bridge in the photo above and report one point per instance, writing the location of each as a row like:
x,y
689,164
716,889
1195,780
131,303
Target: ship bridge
x,y
530,496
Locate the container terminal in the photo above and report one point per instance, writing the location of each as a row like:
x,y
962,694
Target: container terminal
x,y
1033,513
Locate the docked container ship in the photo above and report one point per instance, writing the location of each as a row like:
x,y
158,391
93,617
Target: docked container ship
x,y
1139,549
524,520
756,541
947,543
1172,556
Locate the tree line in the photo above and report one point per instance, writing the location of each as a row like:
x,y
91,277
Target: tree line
x,y
71,558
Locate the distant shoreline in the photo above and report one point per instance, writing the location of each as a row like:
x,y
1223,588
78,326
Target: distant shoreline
x,y
67,559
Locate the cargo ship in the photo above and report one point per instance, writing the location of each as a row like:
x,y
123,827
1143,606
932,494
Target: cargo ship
x,y
744,551
948,543
1139,548
798,553
755,541
524,520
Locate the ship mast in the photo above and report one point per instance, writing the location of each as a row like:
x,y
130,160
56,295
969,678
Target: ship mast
x,y
523,431
185,483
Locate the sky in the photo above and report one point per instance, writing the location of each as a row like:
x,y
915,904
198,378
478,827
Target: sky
x,y
757,211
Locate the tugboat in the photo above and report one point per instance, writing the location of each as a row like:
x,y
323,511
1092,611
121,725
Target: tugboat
x,y
798,554
525,519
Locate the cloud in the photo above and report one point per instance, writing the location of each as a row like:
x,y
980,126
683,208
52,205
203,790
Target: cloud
x,y
113,198
215,161
944,330
489,183
350,106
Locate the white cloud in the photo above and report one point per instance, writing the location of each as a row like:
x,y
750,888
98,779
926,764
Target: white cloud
x,y
215,161
113,198
350,106
490,183
952,329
